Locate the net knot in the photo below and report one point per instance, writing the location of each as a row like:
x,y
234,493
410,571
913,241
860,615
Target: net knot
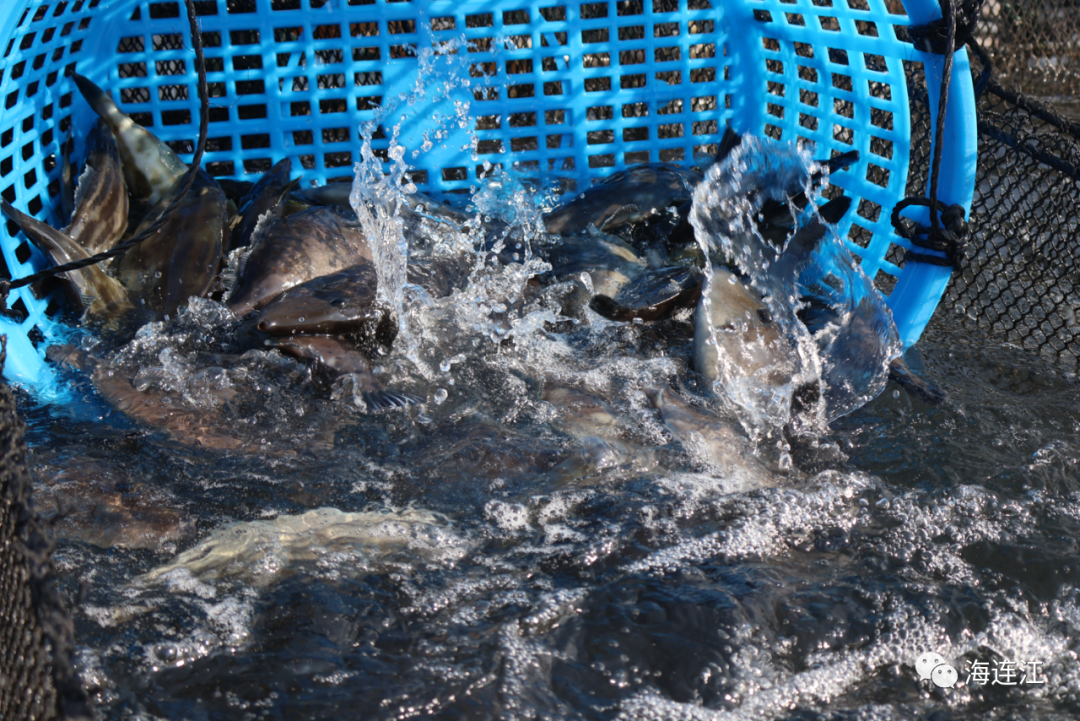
x,y
949,237
934,36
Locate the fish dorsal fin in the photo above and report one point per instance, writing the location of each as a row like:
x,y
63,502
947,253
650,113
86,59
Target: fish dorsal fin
x,y
87,181
60,247
620,216
235,269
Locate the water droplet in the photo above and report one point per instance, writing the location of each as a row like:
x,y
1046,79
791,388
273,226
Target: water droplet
x,y
440,396
896,394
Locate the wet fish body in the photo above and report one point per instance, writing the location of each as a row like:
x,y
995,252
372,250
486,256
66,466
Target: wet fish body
x,y
94,292
100,214
653,295
183,258
296,249
345,301
628,196
265,196
151,168
334,356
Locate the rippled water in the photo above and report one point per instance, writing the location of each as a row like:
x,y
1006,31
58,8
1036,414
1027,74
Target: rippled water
x,y
501,553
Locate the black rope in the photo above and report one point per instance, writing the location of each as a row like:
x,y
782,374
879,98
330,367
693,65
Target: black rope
x,y
948,228
946,35
188,181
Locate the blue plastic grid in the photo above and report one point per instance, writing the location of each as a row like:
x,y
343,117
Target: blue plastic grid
x,y
569,90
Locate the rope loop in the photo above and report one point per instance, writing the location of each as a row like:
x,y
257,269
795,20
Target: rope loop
x,y
934,36
949,236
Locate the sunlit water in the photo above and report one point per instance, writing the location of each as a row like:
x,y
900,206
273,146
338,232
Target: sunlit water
x,y
535,541
483,559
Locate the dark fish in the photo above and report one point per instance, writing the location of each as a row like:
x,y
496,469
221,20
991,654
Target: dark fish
x,y
265,196
341,302
718,439
344,302
917,387
628,196
183,258
91,500
610,262
92,291
100,216
334,356
151,168
295,249
235,190
654,295
329,194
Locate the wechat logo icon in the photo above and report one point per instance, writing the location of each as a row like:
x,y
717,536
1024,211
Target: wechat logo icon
x,y
932,667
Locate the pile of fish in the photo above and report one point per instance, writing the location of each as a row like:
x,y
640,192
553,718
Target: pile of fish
x,y
786,327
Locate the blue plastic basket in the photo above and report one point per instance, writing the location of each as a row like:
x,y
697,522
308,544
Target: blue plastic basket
x,y
576,90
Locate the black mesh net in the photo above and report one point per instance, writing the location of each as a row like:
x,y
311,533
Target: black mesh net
x,y
1018,277
37,680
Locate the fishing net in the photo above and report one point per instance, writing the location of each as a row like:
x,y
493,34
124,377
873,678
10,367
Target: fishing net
x,y
1018,278
37,680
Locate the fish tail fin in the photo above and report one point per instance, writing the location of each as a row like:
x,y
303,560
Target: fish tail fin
x,y
902,375
100,101
57,245
610,309
842,161
729,142
384,398
834,211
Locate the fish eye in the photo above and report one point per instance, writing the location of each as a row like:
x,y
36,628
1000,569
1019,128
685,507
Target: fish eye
x,y
764,315
339,302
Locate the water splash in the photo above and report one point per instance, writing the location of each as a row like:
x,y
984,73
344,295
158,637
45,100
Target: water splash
x,y
726,209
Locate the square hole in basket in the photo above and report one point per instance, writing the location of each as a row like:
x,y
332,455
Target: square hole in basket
x,y
808,97
554,142
869,209
672,107
607,160
524,144
829,23
554,14
877,175
455,173
707,127
599,112
844,108
881,147
633,135
487,147
628,82
880,90
884,282
808,74
808,121
600,137
635,110
795,19
843,134
777,111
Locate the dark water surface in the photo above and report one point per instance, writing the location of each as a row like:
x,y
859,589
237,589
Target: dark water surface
x,y
492,557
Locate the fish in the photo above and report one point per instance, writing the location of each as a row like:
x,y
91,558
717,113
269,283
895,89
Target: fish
x,y
723,446
92,501
211,426
265,196
266,551
345,301
333,356
151,168
291,250
653,295
96,294
625,197
735,336
609,262
100,214
183,258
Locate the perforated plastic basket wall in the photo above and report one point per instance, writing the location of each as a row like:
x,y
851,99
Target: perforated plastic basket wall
x,y
574,90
